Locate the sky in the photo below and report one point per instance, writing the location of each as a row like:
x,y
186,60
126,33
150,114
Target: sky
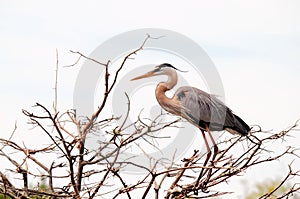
x,y
254,45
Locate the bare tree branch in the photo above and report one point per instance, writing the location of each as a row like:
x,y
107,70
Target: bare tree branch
x,y
75,171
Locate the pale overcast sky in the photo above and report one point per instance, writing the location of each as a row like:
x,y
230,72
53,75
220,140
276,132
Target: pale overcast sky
x,y
255,46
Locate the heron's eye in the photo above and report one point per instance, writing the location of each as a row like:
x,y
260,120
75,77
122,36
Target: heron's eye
x,y
156,69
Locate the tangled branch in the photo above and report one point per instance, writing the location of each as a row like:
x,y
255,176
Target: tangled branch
x,y
76,171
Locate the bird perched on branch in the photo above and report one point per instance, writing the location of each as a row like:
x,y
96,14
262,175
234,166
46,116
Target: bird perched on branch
x,y
199,108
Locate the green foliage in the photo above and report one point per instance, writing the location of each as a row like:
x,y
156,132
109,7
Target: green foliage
x,y
268,187
2,196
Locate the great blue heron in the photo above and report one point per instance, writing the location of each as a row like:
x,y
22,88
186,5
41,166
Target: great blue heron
x,y
201,109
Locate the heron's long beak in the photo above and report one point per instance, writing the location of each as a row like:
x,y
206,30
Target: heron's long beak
x,y
149,74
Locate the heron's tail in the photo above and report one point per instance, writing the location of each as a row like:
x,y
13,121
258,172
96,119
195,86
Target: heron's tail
x,y
239,126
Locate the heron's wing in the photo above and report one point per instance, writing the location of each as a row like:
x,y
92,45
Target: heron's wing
x,y
200,107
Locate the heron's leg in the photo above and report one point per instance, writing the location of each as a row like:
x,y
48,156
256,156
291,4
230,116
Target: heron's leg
x,y
206,160
216,149
214,155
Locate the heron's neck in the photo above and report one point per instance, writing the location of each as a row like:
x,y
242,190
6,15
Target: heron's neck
x,y
161,89
171,82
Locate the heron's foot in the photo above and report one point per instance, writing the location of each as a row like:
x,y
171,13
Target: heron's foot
x,y
202,187
204,190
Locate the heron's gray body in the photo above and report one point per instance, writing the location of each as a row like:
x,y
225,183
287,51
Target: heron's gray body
x,y
201,109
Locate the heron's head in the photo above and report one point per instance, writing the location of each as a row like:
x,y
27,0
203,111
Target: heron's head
x,y
162,69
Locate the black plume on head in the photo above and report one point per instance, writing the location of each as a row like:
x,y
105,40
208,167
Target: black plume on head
x,y
164,65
